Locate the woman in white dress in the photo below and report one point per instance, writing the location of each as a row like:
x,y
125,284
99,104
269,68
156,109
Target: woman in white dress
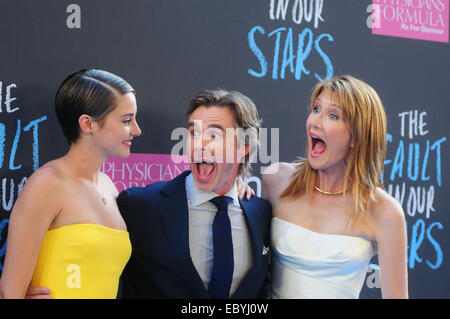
x,y
331,213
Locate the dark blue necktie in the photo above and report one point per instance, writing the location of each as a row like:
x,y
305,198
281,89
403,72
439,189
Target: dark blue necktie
x,y
223,263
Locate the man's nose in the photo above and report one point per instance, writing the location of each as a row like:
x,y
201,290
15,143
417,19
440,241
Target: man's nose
x,y
201,144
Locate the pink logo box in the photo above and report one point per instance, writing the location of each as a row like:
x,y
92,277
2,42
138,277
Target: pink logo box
x,y
414,19
144,169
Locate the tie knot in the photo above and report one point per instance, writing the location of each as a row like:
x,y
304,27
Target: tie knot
x,y
222,202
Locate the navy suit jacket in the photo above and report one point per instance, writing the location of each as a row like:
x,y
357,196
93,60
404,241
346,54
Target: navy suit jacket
x,y
160,266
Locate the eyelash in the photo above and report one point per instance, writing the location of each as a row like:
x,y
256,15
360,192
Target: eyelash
x,y
335,116
195,134
316,109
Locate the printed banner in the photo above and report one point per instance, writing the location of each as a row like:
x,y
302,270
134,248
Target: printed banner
x,y
144,169
414,19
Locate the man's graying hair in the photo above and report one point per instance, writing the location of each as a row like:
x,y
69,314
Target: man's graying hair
x,y
247,118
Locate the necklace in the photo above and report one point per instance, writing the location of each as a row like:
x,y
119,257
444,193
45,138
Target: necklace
x,y
328,193
101,195
104,200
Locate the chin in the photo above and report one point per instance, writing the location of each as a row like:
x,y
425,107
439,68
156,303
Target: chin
x,y
318,164
313,163
122,154
207,186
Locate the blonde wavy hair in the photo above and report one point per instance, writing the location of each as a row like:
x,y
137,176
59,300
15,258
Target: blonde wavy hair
x,y
364,114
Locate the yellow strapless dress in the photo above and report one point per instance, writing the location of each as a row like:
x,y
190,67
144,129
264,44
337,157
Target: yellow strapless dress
x,y
82,261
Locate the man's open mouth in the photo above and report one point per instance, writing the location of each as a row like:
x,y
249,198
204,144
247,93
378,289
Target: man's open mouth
x,y
204,170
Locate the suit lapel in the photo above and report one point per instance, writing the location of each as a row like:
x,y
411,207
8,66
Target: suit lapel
x,y
253,224
254,228
176,221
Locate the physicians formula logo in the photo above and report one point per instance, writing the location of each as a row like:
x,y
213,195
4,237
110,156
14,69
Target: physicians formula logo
x,y
139,170
414,19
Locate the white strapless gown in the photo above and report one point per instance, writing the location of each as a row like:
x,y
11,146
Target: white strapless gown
x,y
307,264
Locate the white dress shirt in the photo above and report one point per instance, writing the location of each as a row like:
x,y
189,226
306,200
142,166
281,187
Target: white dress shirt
x,y
201,217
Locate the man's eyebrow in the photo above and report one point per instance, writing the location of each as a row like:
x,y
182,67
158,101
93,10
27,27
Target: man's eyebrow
x,y
192,124
212,125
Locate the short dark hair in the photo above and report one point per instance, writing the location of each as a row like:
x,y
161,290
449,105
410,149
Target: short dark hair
x,y
90,92
246,118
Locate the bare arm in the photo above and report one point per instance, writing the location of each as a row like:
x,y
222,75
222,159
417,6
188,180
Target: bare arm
x,y
30,219
38,293
268,180
275,179
390,232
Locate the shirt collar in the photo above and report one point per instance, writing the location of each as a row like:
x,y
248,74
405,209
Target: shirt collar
x,y
197,196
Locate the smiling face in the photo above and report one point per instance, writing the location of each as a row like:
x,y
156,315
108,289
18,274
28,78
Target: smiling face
x,y
329,136
115,133
214,151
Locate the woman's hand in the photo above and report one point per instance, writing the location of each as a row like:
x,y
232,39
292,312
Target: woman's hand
x,y
243,189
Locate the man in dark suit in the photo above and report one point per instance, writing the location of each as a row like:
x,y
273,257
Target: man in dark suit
x,y
186,244
192,237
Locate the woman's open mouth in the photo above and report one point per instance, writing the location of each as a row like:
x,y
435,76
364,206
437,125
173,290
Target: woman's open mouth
x,y
318,146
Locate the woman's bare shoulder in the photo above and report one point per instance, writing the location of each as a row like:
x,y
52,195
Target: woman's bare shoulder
x,y
386,211
42,195
279,170
49,181
276,178
48,174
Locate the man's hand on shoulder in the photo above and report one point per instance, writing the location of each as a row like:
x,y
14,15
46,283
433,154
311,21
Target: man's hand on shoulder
x,y
38,293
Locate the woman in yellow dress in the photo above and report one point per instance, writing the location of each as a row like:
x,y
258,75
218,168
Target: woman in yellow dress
x,y
65,230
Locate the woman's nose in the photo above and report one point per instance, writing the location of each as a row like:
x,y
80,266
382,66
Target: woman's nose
x,y
136,130
315,120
